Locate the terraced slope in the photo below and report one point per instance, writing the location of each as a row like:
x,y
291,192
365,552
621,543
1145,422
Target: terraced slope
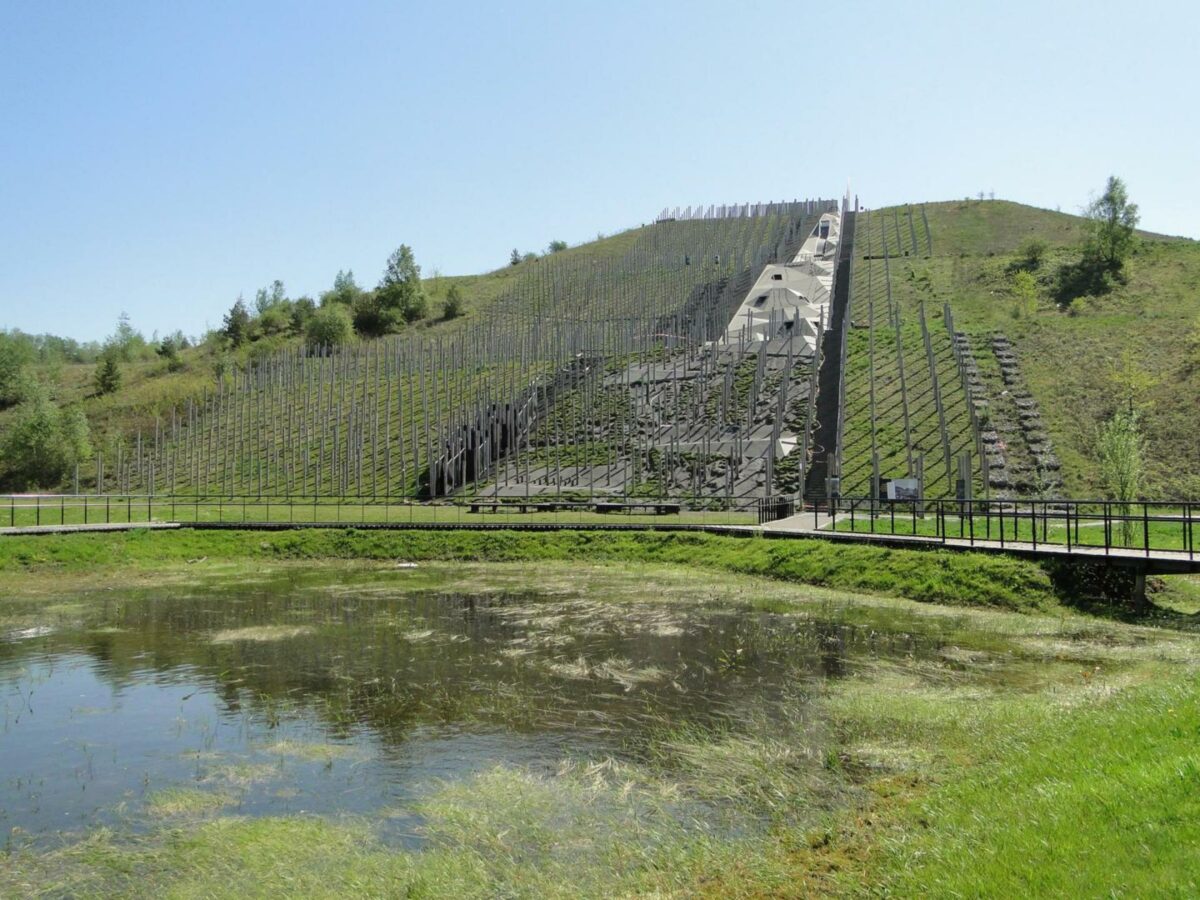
x,y
1047,375
893,378
370,419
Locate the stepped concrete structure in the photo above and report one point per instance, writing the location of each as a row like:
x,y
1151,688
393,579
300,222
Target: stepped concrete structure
x,y
725,419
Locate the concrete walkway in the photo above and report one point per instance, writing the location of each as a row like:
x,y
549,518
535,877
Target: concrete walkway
x,y
96,526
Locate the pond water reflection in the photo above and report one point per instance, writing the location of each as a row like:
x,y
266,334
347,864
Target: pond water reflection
x,y
325,692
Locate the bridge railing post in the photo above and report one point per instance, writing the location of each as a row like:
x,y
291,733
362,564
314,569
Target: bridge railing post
x,y
1146,527
1187,530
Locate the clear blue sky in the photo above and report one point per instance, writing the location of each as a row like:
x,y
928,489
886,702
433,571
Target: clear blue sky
x,y
161,158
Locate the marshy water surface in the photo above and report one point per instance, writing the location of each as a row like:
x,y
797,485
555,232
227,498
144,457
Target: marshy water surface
x,y
474,730
336,692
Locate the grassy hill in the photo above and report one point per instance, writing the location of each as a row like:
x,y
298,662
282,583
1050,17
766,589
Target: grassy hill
x,y
1078,361
368,416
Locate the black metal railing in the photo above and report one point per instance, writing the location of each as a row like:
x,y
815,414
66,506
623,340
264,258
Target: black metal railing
x,y
1087,526
34,510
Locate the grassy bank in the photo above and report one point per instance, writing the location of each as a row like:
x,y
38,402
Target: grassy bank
x,y
926,575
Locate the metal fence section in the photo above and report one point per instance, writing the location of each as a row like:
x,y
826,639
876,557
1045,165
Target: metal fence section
x,y
65,510
1091,527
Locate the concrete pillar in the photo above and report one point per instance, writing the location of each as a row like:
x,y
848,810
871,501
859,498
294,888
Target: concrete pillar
x,y
1138,592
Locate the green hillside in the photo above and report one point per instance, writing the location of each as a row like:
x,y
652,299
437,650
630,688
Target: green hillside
x,y
1138,341
274,412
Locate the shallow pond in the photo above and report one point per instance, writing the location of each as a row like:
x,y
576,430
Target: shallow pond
x,y
335,692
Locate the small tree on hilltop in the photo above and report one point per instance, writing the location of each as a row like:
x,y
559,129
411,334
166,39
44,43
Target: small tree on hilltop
x,y
557,246
236,326
328,327
399,289
515,258
108,373
1111,223
453,307
345,290
126,341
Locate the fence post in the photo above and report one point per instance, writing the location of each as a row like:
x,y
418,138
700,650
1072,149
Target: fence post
x,y
1146,527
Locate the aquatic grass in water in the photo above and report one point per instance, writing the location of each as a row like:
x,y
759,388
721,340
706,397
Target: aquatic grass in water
x,y
261,633
501,742
186,802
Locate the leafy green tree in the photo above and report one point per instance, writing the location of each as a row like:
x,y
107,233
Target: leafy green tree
x,y
107,377
515,258
275,319
126,341
1130,384
1120,447
371,318
221,364
269,297
236,326
328,327
15,354
1031,254
1112,220
400,292
77,435
344,291
302,309
168,350
557,246
44,443
453,307
1025,289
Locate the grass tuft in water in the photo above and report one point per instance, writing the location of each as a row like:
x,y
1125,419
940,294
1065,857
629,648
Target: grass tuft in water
x,y
177,801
